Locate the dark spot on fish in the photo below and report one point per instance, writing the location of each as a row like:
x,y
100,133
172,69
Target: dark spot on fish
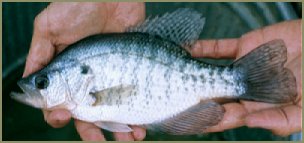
x,y
182,67
211,72
117,102
84,69
211,81
220,70
194,78
212,85
159,97
147,102
186,89
226,81
167,75
185,77
202,78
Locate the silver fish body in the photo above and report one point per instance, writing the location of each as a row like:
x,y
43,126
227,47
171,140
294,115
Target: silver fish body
x,y
145,77
163,76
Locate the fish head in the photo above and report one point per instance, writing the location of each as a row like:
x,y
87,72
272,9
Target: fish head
x,y
45,90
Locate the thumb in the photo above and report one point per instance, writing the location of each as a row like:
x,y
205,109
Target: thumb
x,y
42,50
281,121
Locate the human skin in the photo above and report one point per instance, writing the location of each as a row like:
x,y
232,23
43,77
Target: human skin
x,y
54,31
62,24
281,119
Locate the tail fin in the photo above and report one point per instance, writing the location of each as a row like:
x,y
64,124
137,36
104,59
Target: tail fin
x,y
265,77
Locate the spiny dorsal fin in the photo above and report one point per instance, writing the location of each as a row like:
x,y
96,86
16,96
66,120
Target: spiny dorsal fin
x,y
182,26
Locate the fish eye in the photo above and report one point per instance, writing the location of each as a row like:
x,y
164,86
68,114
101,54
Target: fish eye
x,y
41,81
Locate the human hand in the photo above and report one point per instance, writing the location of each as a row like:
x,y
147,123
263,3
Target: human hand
x,y
62,24
281,119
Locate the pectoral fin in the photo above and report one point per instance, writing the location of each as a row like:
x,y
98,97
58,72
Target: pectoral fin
x,y
192,121
113,127
110,95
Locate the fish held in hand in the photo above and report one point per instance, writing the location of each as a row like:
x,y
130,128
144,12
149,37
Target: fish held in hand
x,y
146,77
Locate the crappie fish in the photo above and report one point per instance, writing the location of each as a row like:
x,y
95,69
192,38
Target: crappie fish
x,y
146,77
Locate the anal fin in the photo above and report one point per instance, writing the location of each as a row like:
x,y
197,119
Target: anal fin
x,y
192,121
113,127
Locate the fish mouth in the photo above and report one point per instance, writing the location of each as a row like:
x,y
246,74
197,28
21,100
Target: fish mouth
x,y
30,96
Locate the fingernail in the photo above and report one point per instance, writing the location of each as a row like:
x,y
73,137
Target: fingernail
x,y
61,116
139,135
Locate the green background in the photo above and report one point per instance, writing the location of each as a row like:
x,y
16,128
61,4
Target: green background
x,y
224,20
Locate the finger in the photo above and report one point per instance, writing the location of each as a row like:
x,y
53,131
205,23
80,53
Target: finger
x,y
281,121
289,31
57,118
233,117
122,15
42,50
138,133
295,66
88,131
123,136
226,48
252,106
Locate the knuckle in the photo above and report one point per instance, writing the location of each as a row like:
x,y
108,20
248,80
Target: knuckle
x,y
39,23
45,26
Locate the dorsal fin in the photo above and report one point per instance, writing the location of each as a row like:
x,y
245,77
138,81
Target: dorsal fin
x,y
182,26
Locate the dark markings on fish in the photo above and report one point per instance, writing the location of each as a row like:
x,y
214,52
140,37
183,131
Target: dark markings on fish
x,y
136,71
149,80
168,97
185,77
123,67
159,97
134,92
226,81
167,77
182,67
211,81
193,77
202,78
84,69
186,89
212,86
211,72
